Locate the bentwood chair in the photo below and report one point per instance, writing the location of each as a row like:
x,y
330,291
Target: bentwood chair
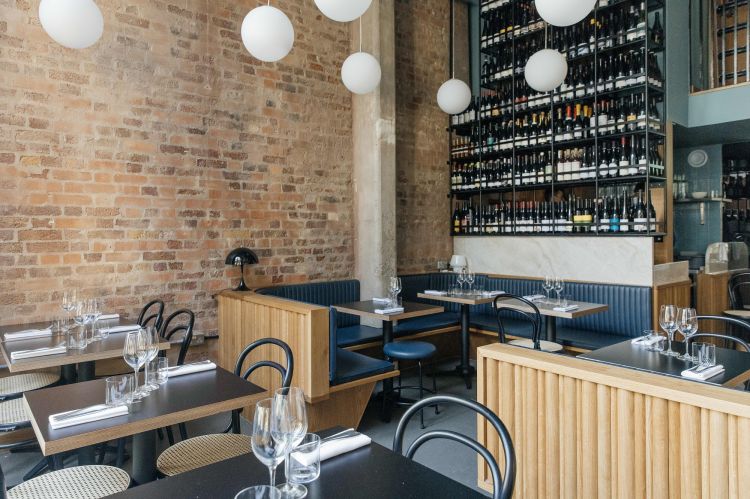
x,y
505,306
203,450
725,340
503,485
739,287
184,321
152,314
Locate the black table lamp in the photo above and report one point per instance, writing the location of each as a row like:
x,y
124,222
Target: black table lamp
x,y
241,257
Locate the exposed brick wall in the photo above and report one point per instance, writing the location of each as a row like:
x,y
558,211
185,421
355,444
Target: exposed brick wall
x,y
130,169
422,34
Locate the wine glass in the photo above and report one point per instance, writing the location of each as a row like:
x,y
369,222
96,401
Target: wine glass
x,y
134,352
668,322
547,286
558,285
266,448
290,424
94,312
470,278
151,350
69,301
687,323
81,317
460,280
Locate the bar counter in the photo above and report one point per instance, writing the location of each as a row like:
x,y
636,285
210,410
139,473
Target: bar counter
x,y
586,429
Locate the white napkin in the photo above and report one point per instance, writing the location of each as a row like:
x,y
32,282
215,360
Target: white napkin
x,y
645,340
28,333
121,329
106,317
196,367
705,374
535,297
492,294
336,447
569,308
87,415
392,310
37,352
435,292
377,299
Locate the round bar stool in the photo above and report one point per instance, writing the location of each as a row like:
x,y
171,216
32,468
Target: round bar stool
x,y
411,350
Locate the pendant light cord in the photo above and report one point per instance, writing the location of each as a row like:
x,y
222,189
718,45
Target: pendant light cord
x,y
453,39
360,33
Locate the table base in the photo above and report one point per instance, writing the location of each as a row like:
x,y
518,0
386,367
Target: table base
x,y
144,457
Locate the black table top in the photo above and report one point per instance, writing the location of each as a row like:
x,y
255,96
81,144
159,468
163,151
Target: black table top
x,y
372,472
626,354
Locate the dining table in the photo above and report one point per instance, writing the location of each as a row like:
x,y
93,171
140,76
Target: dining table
x,y
180,399
368,309
370,472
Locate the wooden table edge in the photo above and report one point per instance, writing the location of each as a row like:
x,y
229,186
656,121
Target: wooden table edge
x,y
436,309
455,299
125,430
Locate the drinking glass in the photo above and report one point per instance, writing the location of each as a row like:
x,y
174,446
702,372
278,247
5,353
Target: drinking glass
x,y
266,448
76,338
259,492
119,389
460,280
69,300
668,322
547,286
290,424
134,352
558,286
152,348
160,366
394,288
304,461
687,323
470,278
94,312
708,355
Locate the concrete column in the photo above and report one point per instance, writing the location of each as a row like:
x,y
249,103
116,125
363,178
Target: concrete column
x,y
374,120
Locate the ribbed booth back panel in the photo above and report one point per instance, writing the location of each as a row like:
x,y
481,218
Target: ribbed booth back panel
x,y
321,293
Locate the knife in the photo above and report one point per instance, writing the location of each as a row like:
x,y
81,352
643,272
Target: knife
x,y
81,412
202,362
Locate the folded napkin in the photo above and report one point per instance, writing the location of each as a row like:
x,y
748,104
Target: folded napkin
x,y
569,308
645,340
86,415
336,447
535,297
492,294
703,374
105,317
121,329
28,333
435,292
378,299
392,310
196,367
37,352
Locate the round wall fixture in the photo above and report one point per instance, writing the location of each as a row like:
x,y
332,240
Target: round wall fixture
x,y
267,33
75,24
564,12
546,70
343,11
698,158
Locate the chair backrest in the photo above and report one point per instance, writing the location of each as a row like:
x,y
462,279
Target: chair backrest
x,y
147,315
324,294
726,338
739,289
503,485
504,306
185,320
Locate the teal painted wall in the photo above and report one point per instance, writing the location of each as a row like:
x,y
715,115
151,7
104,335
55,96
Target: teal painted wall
x,y
678,61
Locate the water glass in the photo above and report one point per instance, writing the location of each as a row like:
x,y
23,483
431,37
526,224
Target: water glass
x,y
76,338
707,355
61,325
304,460
161,368
657,339
259,492
119,389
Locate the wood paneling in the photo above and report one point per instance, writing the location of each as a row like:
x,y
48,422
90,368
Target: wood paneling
x,y
670,294
712,298
586,430
664,250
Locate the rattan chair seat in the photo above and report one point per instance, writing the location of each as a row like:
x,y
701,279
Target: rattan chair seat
x,y
201,451
80,482
20,383
13,412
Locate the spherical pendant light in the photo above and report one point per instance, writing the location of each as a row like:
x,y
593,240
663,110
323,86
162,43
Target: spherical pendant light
x,y
454,96
546,70
76,24
267,33
564,12
343,10
361,73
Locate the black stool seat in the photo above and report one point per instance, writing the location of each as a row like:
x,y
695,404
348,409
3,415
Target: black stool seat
x,y
409,350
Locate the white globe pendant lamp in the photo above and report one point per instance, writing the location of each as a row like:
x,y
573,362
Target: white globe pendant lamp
x,y
361,71
453,96
267,33
564,12
75,24
546,70
343,11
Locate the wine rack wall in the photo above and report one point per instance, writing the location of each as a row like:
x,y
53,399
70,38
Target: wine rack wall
x,y
598,139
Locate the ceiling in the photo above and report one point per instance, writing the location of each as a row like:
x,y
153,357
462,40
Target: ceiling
x,y
723,133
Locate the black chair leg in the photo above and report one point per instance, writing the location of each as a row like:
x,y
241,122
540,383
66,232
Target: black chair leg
x,y
160,434
38,468
434,386
421,393
170,435
183,431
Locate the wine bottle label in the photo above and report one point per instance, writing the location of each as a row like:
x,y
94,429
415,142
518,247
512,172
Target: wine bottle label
x,y
640,224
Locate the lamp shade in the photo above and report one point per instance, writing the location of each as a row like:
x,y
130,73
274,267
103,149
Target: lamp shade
x,y
267,33
343,10
75,24
458,262
454,96
361,73
546,70
564,12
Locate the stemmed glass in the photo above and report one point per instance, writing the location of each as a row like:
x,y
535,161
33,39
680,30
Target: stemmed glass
x,y
470,278
460,280
82,316
547,286
668,322
266,447
290,424
558,285
134,352
152,349
394,288
69,301
94,312
687,323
